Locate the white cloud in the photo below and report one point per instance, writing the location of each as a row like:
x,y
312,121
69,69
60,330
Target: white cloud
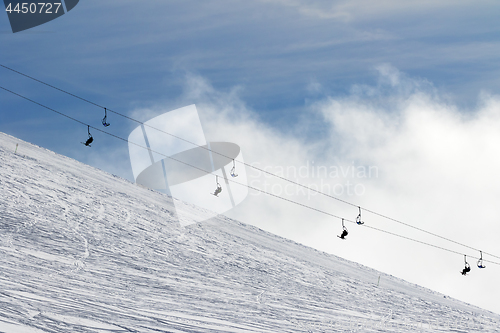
x,y
353,9
412,155
438,171
321,9
314,87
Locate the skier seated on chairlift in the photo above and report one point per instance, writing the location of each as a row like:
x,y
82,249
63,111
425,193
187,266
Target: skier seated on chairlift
x,y
344,233
217,190
89,141
466,269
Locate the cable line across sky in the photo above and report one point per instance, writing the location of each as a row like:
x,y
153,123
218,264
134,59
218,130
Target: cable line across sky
x,y
250,166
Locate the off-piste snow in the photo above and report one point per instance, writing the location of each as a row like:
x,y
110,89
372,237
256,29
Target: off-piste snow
x,y
82,250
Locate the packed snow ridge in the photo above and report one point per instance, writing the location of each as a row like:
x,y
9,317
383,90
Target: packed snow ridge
x,y
84,251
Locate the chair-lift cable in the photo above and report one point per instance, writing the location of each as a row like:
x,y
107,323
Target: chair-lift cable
x,y
248,186
251,166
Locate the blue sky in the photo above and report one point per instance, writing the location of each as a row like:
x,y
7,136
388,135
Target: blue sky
x,y
290,81
127,55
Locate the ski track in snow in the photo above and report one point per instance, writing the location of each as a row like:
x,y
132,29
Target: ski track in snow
x,y
84,251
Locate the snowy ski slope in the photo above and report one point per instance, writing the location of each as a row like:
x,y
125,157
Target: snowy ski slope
x,y
84,251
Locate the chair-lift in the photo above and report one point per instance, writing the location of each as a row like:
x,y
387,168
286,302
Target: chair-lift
x,y
219,188
480,261
358,219
467,266
233,170
344,231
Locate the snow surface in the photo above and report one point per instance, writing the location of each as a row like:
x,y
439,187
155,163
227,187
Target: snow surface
x,y
85,251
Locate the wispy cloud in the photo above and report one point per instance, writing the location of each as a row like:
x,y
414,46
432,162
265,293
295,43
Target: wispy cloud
x,y
321,9
397,147
349,10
